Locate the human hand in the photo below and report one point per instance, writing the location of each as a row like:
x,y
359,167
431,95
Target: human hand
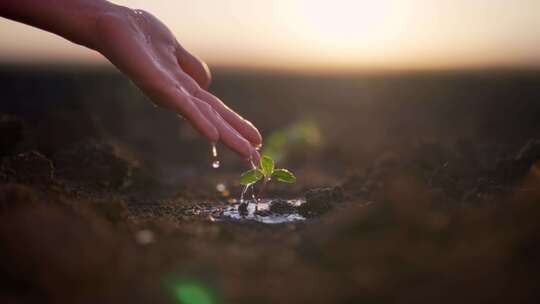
x,y
144,48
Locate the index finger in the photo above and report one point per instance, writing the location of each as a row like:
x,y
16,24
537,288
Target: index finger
x,y
240,124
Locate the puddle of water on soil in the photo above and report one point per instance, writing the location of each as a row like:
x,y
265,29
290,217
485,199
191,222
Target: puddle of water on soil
x,y
220,212
260,212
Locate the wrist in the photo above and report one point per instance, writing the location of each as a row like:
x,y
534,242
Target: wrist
x,y
74,20
105,23
91,19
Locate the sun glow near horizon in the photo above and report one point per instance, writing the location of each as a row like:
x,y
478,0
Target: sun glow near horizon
x,y
400,34
339,34
345,30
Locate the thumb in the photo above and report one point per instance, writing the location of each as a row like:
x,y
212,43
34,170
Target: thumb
x,y
194,67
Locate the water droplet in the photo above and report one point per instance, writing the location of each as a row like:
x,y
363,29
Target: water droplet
x,y
214,150
244,190
221,187
250,211
250,160
223,190
145,237
215,163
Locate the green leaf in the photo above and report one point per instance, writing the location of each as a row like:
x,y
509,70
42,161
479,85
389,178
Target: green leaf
x,y
250,177
284,175
267,166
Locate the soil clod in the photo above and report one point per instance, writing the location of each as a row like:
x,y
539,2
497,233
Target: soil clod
x,y
243,209
281,206
27,168
93,163
321,200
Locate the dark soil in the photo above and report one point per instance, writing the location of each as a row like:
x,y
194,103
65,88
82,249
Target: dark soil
x,y
432,199
321,200
281,206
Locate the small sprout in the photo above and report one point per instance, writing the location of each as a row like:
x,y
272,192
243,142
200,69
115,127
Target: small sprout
x,y
250,177
284,175
267,170
267,166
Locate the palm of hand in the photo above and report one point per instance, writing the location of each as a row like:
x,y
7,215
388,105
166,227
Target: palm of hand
x,y
145,49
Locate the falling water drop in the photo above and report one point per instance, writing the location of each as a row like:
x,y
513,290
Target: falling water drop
x,y
244,191
250,160
215,162
214,150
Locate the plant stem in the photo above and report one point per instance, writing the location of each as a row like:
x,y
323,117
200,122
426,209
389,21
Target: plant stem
x,y
263,188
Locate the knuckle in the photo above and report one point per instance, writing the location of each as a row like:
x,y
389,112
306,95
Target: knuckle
x,y
206,108
190,85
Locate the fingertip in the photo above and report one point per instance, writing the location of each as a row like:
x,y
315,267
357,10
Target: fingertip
x,y
210,131
258,141
255,157
253,135
253,160
247,152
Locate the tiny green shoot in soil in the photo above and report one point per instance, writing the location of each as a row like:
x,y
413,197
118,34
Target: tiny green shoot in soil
x,y
266,171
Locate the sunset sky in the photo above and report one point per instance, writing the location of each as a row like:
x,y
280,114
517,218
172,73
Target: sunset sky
x,y
338,34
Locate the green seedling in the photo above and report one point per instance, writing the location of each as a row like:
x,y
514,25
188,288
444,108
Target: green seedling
x,y
265,172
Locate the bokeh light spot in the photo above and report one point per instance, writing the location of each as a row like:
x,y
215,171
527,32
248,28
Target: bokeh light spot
x,y
192,293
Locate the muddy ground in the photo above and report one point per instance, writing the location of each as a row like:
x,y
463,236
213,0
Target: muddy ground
x,y
420,188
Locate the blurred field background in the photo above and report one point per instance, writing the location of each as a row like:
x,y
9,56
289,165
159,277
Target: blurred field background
x,y
354,118
366,74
